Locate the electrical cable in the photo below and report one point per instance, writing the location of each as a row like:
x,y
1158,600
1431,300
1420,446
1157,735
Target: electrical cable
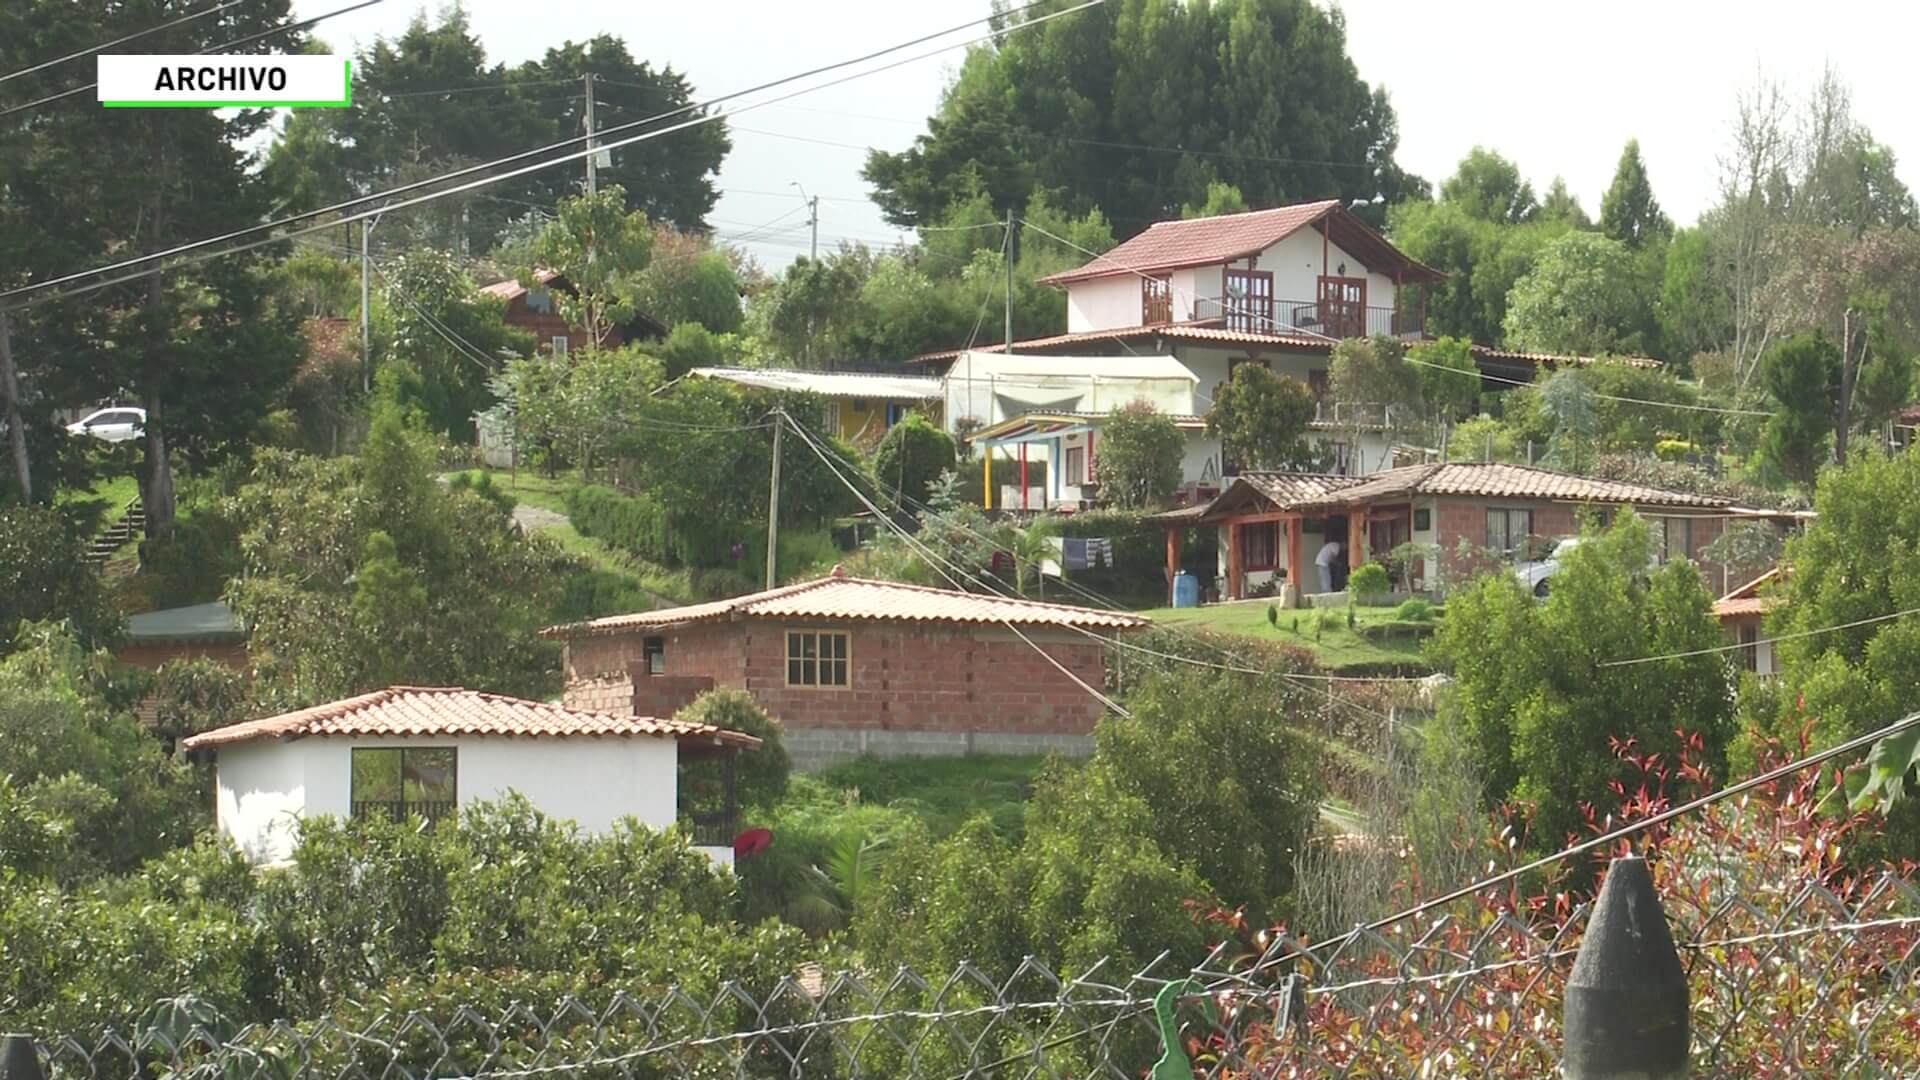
x,y
183,20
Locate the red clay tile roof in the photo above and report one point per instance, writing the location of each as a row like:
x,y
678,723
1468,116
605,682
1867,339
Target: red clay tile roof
x,y
511,288
840,598
1300,491
1747,599
445,711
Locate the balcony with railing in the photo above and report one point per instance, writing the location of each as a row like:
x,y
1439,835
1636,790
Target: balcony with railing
x,y
403,809
1312,318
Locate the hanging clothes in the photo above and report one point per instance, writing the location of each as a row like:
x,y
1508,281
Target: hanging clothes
x,y
1073,554
1099,551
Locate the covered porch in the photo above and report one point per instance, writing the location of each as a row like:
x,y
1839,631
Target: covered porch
x,y
1061,443
1272,528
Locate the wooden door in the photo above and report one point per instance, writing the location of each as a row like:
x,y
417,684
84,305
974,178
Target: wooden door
x,y
1343,306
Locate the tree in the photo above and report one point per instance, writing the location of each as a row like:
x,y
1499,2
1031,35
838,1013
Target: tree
x,y
1140,450
43,576
205,350
1560,205
1584,296
691,345
760,773
1536,695
1261,418
912,455
1628,211
448,339
1489,187
1801,373
1449,379
600,247
1695,314
1482,260
687,281
1221,199
1266,100
1372,381
1567,405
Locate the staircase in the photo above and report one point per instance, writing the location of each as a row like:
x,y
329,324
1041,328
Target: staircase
x,y
131,524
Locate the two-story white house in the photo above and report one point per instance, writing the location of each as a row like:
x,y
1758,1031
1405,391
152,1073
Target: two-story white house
x,y
1275,287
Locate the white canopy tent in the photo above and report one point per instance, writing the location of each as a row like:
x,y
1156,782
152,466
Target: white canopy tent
x,y
990,387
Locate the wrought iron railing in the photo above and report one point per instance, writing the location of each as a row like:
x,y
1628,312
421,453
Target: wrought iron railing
x,y
1311,318
716,828
402,809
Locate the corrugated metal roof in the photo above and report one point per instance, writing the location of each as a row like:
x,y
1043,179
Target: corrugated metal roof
x,y
835,384
1488,352
1194,331
451,711
197,622
841,598
511,287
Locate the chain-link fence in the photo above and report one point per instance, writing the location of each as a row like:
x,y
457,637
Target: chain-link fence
x,y
1818,983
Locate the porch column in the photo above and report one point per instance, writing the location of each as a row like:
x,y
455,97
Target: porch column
x,y
1175,534
986,478
1023,476
1357,538
1296,565
1054,462
1233,562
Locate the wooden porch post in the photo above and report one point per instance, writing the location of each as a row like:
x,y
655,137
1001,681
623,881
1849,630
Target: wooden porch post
x,y
1175,534
1296,559
1357,538
1023,476
986,478
1233,562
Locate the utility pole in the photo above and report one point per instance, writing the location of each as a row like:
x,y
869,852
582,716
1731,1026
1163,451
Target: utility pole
x,y
366,339
773,504
813,224
16,428
593,175
1006,343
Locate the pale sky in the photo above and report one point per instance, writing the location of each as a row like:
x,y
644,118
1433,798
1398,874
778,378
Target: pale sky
x,y
1557,87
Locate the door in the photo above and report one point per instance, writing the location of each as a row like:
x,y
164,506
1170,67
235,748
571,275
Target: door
x,y
1343,306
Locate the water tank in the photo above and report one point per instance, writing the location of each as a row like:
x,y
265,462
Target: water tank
x,y
1186,590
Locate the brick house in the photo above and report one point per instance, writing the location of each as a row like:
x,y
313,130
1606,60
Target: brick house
x,y
851,666
209,630
533,310
1271,522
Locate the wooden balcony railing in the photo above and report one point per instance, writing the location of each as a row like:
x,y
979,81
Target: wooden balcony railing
x,y
1311,317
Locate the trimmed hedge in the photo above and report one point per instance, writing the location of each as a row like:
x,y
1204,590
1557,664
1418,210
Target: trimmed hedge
x,y
640,525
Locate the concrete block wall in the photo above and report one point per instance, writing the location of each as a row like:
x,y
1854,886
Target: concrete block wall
x,y
812,749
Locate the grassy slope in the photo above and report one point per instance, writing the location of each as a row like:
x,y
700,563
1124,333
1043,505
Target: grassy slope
x,y
1337,647
944,792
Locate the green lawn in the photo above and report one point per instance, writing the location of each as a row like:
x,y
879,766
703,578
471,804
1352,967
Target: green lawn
x,y
100,505
1337,647
535,489
944,792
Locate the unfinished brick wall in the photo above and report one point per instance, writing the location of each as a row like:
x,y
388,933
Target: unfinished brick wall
x,y
902,676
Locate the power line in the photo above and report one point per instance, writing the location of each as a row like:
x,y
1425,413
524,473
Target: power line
x,y
183,20
497,88
38,288
247,40
1761,641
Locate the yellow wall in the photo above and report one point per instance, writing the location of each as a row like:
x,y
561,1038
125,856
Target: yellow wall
x,y
865,419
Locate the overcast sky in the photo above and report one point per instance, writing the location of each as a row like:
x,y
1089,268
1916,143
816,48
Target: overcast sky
x,y
1558,87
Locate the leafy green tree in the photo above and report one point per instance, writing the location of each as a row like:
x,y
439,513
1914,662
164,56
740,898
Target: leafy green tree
x,y
1221,199
688,281
1585,296
1483,261
333,611
1801,373
1567,405
1261,418
1561,205
1481,438
1537,699
1140,452
600,247
1489,187
43,577
1085,107
1369,374
1628,211
912,456
449,339
1449,379
761,773
1694,310
691,345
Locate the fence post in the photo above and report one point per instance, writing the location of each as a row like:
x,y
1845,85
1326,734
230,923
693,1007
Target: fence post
x,y
18,1059
1626,1006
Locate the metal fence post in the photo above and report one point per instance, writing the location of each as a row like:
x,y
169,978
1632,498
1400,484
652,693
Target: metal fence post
x,y
18,1059
1626,1006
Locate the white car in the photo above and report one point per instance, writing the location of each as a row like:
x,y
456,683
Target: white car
x,y
1534,575
116,424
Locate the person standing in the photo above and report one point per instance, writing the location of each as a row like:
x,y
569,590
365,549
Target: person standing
x,y
1329,551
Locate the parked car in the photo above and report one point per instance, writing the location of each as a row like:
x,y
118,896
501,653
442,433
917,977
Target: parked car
x,y
114,424
1535,575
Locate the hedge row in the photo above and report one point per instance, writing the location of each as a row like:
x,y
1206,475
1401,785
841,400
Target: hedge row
x,y
638,524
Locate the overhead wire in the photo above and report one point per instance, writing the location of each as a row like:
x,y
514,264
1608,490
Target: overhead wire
x,y
121,40
39,288
235,43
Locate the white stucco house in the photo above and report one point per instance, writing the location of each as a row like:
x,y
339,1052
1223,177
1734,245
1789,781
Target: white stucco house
x,y
410,751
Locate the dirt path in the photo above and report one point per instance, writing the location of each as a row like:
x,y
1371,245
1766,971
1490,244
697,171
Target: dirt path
x,y
532,518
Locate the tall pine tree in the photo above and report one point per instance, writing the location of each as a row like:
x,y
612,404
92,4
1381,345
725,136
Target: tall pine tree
x,y
1628,211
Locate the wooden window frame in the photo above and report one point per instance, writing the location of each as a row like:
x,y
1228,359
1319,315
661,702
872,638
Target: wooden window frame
x,y
1359,309
1513,543
1076,471
653,650
1156,298
1248,562
844,660
560,344
1666,538
357,807
1251,319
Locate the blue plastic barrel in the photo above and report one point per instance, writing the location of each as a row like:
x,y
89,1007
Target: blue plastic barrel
x,y
1186,590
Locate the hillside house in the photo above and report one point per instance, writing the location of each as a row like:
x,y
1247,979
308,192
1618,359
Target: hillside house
x,y
1276,287
851,666
861,406
410,751
1742,614
533,310
210,630
1271,523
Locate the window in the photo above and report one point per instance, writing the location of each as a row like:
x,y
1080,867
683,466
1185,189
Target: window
x,y
1341,453
540,300
1422,519
402,782
1507,530
1156,300
1749,646
1076,466
560,345
816,658
1248,304
1676,538
654,651
897,411
1258,545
